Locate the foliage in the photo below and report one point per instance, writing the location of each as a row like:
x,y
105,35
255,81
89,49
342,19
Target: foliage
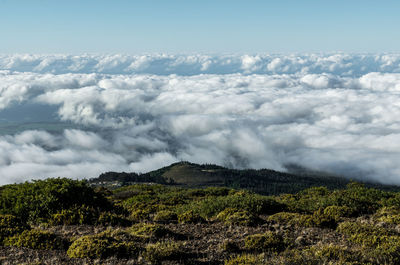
x,y
190,217
146,230
10,225
102,246
390,215
165,216
76,215
37,239
241,200
38,200
246,259
231,216
160,251
268,241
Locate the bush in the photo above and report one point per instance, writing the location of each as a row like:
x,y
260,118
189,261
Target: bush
x,y
160,251
112,219
232,216
367,235
285,218
165,216
10,225
37,239
149,230
190,217
268,241
337,212
242,200
102,246
75,216
36,201
390,215
322,218
246,259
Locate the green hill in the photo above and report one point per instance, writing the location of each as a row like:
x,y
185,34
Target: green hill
x,y
263,181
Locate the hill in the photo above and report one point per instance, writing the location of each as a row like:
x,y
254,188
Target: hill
x,y
263,181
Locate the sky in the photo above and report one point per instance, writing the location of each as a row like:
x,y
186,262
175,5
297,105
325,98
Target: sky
x,y
181,26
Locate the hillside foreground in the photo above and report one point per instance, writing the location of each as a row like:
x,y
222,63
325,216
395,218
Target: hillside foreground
x,y
64,221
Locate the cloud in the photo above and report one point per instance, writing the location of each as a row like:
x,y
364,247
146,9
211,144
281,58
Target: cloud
x,y
163,64
336,113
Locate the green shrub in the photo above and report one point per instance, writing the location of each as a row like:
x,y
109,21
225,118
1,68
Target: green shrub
x,y
140,214
160,251
37,239
268,241
322,218
165,216
285,218
10,225
359,199
102,246
36,201
75,216
246,259
190,217
366,235
233,216
390,215
330,252
308,200
337,212
112,219
242,200
317,219
149,230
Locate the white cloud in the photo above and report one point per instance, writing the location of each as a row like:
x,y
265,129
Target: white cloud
x,y
336,113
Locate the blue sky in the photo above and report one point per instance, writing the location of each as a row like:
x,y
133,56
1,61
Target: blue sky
x,y
218,26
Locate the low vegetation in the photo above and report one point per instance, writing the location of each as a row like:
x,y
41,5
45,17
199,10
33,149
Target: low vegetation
x,y
61,221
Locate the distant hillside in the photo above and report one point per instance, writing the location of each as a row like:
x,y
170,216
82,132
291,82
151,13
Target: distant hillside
x,y
263,181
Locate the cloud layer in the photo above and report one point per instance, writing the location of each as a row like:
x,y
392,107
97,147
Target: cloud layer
x,y
335,113
162,64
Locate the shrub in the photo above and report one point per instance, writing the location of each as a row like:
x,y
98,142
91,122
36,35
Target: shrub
x,y
160,251
190,217
320,219
36,201
242,200
37,239
308,200
149,230
390,215
232,216
366,235
246,259
112,219
102,246
330,252
268,241
140,215
75,216
285,218
337,212
10,225
165,216
359,199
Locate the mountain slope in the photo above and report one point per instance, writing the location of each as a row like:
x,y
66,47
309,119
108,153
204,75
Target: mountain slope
x,y
263,181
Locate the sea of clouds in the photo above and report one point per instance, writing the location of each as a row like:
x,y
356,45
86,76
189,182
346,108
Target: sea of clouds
x,y
337,113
